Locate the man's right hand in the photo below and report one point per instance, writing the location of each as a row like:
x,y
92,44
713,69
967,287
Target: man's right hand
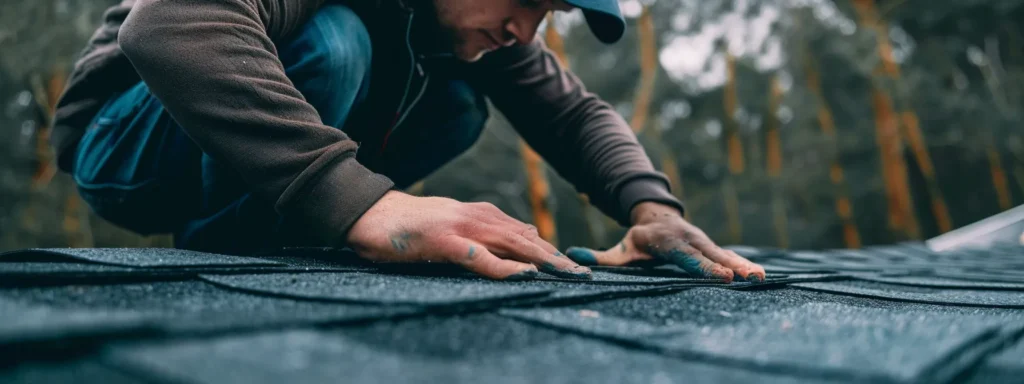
x,y
478,236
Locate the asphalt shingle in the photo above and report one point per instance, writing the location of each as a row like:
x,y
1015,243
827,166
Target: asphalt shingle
x,y
141,257
941,282
963,297
1004,366
892,314
65,372
460,349
184,306
379,289
781,331
24,323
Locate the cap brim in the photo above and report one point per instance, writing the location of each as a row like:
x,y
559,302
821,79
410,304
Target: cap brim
x,y
603,17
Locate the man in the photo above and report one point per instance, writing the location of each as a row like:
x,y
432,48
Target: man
x,y
240,125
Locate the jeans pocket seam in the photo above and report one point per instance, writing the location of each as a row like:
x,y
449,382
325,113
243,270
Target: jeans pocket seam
x,y
117,186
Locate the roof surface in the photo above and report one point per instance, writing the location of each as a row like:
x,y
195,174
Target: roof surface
x,y
893,314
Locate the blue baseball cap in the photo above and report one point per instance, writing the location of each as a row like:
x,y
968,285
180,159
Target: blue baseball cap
x,y
603,17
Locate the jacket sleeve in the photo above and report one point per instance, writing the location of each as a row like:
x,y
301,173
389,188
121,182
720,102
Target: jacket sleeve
x,y
214,67
581,136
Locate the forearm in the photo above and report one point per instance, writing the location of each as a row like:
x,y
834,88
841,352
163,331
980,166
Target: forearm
x,y
612,160
581,136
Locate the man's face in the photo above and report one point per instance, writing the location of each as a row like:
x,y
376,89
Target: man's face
x,y
475,27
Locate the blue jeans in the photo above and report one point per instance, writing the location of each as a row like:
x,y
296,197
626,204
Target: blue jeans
x,y
136,167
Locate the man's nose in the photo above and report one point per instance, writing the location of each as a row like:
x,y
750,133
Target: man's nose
x,y
523,26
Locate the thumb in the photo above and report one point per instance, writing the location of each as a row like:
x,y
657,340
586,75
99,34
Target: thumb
x,y
621,254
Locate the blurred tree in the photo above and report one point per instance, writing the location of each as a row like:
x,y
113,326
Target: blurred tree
x,y
39,207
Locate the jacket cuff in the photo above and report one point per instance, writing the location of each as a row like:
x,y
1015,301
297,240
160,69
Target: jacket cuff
x,y
339,198
644,189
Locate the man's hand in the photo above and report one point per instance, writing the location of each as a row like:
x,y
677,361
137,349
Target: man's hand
x,y
660,233
478,236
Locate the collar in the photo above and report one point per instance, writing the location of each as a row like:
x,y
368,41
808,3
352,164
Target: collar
x,y
425,35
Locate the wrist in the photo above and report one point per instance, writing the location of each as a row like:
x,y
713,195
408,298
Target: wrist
x,y
648,210
368,226
644,195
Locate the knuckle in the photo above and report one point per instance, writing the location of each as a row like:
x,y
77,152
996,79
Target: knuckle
x,y
516,239
438,200
485,206
708,246
530,232
510,237
657,236
468,225
691,251
667,234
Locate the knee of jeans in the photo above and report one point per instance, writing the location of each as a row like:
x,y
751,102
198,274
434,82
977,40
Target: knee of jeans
x,y
343,52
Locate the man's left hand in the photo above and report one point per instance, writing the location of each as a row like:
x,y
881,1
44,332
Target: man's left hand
x,y
660,233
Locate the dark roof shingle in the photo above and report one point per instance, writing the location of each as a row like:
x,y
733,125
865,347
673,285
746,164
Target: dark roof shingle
x,y
896,314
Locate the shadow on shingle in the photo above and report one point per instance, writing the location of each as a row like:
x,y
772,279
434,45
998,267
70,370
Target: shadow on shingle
x,y
793,334
961,297
136,257
459,349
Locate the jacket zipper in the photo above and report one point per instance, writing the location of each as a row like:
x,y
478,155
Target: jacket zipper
x,y
403,110
416,100
412,63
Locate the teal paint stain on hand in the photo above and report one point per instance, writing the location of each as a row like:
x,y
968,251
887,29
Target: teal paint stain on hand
x,y
688,263
401,242
582,256
472,250
397,245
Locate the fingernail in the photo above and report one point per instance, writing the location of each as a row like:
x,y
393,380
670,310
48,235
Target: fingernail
x,y
725,274
581,272
581,256
528,274
754,278
576,272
